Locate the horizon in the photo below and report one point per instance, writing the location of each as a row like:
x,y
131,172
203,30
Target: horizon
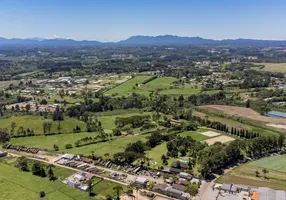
x,y
113,21
60,38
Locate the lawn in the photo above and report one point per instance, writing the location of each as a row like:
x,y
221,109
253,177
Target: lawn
x,y
126,88
245,173
36,123
112,147
47,142
15,185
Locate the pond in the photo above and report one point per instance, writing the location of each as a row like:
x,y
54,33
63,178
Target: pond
x,y
276,114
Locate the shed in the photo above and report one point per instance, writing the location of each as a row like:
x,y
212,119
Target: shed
x,y
226,187
141,180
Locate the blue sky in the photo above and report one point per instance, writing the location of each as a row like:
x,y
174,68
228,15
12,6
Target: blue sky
x,y
113,20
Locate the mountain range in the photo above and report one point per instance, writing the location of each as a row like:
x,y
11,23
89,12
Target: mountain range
x,y
162,40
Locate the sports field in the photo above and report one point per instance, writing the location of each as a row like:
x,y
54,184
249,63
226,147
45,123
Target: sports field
x,y
36,123
15,184
245,173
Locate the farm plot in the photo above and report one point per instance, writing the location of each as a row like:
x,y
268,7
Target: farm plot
x,y
222,139
246,173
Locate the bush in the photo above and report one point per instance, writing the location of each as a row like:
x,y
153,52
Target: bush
x,y
68,146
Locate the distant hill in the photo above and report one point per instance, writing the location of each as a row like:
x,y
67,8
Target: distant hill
x,y
162,40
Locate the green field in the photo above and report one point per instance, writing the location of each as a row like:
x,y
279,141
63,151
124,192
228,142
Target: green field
x,y
5,84
195,134
126,88
36,123
47,142
165,84
16,185
272,67
245,173
112,147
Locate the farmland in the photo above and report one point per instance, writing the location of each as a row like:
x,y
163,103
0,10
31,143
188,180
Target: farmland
x,y
245,174
36,123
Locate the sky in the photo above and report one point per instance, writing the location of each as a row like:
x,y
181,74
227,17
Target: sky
x,y
114,20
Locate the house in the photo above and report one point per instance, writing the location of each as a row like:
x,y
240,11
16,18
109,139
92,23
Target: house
x,y
124,133
179,187
178,194
141,180
183,175
161,188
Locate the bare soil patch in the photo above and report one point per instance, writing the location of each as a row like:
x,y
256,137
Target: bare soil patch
x,y
222,139
243,112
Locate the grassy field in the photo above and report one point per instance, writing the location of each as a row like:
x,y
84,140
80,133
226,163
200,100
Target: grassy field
x,y
47,142
245,174
36,123
108,122
116,145
162,83
126,88
5,84
16,185
196,134
273,67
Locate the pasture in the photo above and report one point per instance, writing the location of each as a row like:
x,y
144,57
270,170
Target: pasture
x,y
36,123
245,173
5,84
